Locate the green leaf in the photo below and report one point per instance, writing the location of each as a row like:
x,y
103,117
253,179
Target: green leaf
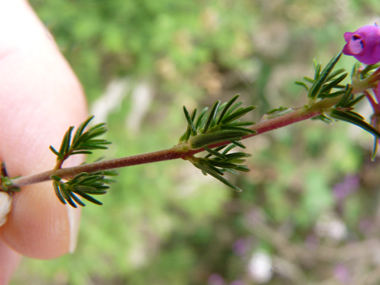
x,y
66,195
233,108
215,137
308,79
368,68
241,124
84,185
58,192
237,143
211,116
215,152
221,124
353,102
355,69
317,67
222,164
66,142
209,170
81,128
358,116
277,112
89,198
332,95
233,171
334,83
302,84
375,147
335,73
228,148
323,118
242,168
190,120
84,188
82,142
345,98
226,107
231,157
201,119
354,118
77,199
56,152
239,113
82,152
320,81
77,177
55,178
234,128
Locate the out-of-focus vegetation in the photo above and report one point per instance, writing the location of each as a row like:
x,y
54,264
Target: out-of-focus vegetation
x,y
310,206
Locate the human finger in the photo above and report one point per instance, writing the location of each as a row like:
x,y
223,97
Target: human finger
x,y
40,97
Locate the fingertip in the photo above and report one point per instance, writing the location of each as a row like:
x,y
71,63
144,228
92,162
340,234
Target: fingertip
x,y
9,261
38,224
40,98
74,215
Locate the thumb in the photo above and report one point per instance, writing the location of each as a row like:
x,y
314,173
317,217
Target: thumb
x,y
40,98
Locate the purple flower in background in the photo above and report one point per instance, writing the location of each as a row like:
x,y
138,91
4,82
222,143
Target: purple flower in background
x,y
312,242
237,282
346,187
215,279
365,225
342,274
240,247
364,44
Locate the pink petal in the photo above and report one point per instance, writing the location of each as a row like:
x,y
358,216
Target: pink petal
x,y
347,36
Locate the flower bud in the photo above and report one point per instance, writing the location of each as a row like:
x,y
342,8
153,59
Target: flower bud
x,y
364,44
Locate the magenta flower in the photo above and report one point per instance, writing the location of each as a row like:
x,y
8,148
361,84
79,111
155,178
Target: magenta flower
x,y
364,44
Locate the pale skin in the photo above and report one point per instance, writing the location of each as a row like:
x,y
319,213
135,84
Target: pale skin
x,y
40,97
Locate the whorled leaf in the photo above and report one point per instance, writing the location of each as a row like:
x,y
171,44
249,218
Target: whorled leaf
x,y
321,79
326,83
218,161
220,124
354,118
82,185
83,142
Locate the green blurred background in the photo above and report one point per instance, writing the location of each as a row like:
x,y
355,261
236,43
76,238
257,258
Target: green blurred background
x,y
309,212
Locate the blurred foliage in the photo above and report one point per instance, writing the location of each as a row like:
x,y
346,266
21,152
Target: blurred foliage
x,y
166,223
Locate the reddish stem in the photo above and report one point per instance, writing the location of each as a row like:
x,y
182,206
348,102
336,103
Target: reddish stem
x,y
375,106
178,151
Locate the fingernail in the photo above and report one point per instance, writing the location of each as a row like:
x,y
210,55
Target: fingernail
x,y
73,213
5,206
74,218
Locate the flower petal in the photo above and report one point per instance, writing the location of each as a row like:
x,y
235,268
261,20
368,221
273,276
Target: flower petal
x,y
364,44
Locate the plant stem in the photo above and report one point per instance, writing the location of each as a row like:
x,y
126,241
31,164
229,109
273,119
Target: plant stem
x,y
178,151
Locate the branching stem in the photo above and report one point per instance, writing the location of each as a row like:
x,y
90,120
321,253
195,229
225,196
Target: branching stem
x,y
178,151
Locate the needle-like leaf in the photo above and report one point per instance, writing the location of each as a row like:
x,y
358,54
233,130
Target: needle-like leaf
x,y
83,142
84,185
